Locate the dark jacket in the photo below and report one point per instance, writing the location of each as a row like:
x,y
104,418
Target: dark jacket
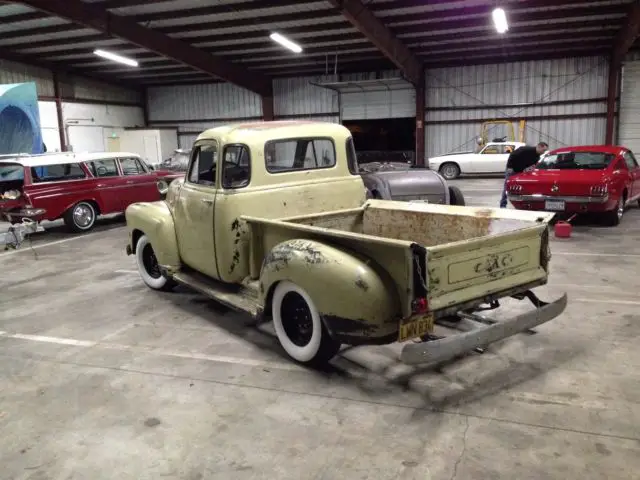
x,y
522,158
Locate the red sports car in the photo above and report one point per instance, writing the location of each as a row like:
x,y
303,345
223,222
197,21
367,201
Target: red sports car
x,y
599,179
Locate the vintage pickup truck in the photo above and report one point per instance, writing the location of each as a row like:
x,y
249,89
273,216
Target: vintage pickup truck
x,y
271,219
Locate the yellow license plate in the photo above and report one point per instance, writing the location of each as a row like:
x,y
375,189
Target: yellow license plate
x,y
416,328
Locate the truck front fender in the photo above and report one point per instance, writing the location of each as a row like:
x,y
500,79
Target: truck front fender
x,y
154,220
356,299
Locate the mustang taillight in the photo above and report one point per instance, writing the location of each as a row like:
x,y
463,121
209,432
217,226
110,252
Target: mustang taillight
x,y
420,305
599,190
515,188
10,195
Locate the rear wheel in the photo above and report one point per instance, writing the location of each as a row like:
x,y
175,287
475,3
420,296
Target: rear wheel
x,y
455,196
149,268
450,171
613,217
299,327
81,217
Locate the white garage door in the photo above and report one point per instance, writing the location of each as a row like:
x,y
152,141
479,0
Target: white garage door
x,y
629,129
374,99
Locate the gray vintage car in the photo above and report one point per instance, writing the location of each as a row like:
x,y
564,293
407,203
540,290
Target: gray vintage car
x,y
406,182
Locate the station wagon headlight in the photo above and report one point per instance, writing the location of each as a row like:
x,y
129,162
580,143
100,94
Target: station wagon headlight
x,y
10,195
599,190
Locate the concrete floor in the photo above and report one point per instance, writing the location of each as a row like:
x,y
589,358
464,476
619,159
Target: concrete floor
x,y
102,378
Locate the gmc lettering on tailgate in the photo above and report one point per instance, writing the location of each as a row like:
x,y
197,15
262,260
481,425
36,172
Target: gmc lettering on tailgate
x,y
489,265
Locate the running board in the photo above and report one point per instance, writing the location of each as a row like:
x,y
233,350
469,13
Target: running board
x,y
243,298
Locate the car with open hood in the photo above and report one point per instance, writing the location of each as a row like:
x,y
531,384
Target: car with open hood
x,y
76,187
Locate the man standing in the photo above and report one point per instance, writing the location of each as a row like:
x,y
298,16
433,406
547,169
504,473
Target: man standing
x,y
520,160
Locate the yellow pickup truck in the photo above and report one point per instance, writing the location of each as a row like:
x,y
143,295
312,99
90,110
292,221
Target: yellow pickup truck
x,y
272,219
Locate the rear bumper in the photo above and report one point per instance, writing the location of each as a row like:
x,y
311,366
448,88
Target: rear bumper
x,y
566,199
444,349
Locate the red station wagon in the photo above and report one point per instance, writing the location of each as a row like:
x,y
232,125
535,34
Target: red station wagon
x,y
599,179
76,187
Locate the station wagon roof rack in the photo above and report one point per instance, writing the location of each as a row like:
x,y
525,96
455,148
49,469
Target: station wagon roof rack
x,y
56,158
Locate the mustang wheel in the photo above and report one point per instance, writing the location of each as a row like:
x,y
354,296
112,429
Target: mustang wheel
x,y
149,268
299,327
614,216
450,170
81,217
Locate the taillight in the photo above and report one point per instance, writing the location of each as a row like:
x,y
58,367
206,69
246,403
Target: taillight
x,y
599,190
420,305
515,188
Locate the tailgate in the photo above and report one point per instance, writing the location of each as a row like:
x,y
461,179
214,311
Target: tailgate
x,y
476,268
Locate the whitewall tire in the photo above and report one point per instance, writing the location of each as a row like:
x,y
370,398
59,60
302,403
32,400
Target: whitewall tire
x,y
81,217
149,268
299,327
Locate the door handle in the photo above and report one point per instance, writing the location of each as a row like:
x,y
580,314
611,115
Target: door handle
x,y
207,201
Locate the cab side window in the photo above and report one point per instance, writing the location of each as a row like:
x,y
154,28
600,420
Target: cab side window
x,y
630,160
236,168
203,165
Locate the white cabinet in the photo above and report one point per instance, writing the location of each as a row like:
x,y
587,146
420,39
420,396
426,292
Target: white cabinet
x,y
154,145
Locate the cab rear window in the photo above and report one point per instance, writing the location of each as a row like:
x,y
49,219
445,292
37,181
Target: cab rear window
x,y
57,173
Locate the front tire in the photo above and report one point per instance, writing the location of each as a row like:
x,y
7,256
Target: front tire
x,y
299,327
450,171
81,217
148,267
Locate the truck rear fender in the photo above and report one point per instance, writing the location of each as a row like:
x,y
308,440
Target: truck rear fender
x,y
356,299
154,220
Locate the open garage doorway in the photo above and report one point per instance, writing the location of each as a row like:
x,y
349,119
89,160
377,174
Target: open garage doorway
x,y
384,140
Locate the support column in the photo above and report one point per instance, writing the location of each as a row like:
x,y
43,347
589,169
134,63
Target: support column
x,y
145,106
612,92
420,110
58,99
267,108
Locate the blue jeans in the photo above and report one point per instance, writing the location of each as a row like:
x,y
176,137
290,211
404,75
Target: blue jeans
x,y
503,200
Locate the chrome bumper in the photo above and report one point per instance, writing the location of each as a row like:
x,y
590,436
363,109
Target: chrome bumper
x,y
437,351
542,198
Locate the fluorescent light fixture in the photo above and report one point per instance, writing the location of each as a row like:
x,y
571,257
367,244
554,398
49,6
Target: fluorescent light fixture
x,y
285,42
115,58
500,20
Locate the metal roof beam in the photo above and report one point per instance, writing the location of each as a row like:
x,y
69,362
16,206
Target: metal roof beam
x,y
627,34
384,39
122,27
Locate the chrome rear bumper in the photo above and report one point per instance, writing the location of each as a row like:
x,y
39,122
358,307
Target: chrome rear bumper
x,y
437,351
567,199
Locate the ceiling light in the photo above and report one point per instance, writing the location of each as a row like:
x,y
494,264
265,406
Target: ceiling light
x,y
285,42
500,20
116,58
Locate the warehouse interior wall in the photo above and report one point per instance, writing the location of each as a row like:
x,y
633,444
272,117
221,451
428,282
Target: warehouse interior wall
x,y
93,112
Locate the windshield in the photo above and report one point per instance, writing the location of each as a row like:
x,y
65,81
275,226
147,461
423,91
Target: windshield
x,y
575,161
10,172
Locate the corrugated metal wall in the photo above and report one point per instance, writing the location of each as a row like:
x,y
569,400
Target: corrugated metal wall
x,y
297,96
11,72
100,116
455,97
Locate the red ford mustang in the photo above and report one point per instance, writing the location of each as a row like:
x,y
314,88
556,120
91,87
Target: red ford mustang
x,y
600,179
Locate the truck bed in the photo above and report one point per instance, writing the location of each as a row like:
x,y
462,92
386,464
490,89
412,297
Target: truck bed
x,y
465,254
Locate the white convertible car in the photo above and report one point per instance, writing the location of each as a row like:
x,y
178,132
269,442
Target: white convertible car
x,y
491,159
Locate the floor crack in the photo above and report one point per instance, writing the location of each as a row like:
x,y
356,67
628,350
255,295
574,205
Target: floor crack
x,y
464,450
